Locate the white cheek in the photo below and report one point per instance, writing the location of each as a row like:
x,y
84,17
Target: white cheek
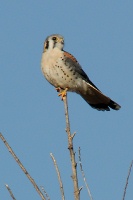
x,y
51,44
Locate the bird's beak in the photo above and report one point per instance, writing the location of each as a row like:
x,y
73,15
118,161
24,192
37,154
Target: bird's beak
x,y
61,40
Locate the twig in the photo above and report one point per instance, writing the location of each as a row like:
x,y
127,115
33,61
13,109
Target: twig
x,y
71,150
10,192
129,172
42,188
59,177
22,167
83,175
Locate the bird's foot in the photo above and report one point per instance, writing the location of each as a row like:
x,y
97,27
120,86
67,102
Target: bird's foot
x,y
63,94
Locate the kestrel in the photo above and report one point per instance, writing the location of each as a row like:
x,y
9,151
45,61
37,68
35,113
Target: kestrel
x,y
63,71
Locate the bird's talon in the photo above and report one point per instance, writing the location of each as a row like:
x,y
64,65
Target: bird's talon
x,y
63,94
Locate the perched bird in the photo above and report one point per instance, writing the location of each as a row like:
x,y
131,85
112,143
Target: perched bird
x,y
64,72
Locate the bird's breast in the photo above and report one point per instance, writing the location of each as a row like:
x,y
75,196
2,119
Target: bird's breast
x,y
57,72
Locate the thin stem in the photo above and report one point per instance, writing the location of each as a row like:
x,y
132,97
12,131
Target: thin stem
x,y
47,196
129,172
83,175
71,150
59,177
10,192
22,167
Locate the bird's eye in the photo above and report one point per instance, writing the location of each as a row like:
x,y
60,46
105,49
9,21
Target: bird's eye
x,y
54,38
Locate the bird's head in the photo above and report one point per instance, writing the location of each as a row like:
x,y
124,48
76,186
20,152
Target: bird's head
x,y
54,41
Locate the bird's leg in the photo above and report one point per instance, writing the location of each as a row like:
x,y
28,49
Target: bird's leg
x,y
63,93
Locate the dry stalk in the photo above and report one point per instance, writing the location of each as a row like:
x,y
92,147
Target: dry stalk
x,y
129,172
10,192
83,175
59,177
72,153
47,196
22,167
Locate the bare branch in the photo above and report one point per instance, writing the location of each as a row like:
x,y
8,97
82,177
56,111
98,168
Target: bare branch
x,y
59,177
73,135
10,192
129,172
71,150
22,167
42,188
83,175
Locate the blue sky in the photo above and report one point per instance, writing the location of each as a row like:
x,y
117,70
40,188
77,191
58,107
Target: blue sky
x,y
100,35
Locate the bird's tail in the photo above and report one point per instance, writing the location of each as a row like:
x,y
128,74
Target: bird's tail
x,y
114,105
102,105
97,100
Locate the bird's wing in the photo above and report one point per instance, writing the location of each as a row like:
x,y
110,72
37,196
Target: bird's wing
x,y
93,95
73,64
